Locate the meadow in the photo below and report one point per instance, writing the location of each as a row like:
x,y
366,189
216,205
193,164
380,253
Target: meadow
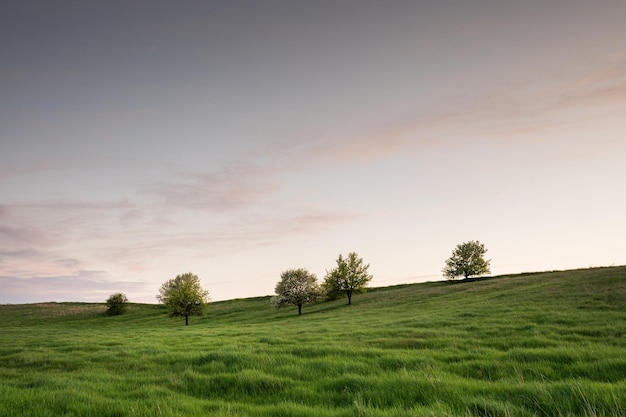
x,y
537,344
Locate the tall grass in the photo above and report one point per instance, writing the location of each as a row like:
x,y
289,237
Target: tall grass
x,y
549,344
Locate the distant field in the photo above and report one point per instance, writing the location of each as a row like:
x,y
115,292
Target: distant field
x,y
545,344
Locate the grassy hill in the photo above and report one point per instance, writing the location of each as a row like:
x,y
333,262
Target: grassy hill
x,y
541,344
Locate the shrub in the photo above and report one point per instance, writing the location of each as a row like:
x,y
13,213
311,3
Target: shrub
x,y
117,304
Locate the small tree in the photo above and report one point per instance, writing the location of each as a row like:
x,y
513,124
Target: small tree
x,y
116,304
296,287
468,259
183,296
349,276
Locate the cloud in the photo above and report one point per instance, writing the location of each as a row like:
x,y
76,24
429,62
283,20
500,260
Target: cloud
x,y
26,262
538,111
131,216
41,166
73,206
56,238
254,179
24,235
89,286
602,88
232,186
35,275
52,225
361,142
20,254
313,221
68,263
231,235
9,171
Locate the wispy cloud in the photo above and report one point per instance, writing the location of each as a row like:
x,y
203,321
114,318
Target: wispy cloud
x,y
68,263
43,165
93,286
232,186
535,111
9,171
524,108
604,87
29,262
50,226
51,243
24,235
21,254
313,221
234,235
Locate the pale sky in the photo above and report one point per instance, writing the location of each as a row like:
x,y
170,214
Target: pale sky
x,y
237,139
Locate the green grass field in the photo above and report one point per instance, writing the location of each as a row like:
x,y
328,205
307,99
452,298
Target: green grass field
x,y
545,344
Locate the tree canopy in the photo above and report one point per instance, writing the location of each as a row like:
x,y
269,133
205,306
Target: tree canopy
x,y
296,287
183,296
349,276
467,260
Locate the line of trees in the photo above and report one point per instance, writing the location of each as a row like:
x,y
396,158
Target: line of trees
x,y
299,286
183,296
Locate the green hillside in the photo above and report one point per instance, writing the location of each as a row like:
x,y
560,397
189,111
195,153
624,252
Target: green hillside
x,y
541,344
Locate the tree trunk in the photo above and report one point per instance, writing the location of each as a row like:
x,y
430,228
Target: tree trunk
x,y
299,309
186,319
349,297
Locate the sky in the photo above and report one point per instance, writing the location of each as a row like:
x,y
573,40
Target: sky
x,y
235,140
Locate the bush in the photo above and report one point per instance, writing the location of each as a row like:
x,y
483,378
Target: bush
x,y
116,304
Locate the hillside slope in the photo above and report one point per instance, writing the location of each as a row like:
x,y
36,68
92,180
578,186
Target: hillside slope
x,y
523,345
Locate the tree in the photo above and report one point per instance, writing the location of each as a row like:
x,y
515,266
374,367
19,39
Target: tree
x,y
468,259
296,287
183,296
349,276
116,304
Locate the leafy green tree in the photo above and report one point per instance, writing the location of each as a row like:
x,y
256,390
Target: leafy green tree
x,y
468,259
116,304
183,296
349,276
296,287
